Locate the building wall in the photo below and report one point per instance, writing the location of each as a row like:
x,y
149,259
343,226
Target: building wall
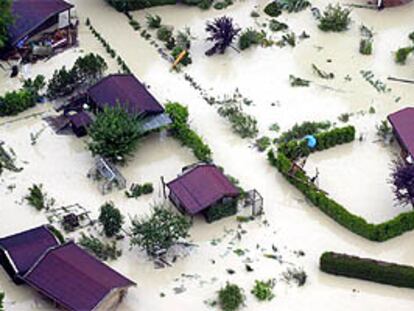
x,y
112,301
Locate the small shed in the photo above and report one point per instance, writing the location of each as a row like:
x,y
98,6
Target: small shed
x,y
80,122
34,17
77,281
402,122
205,189
19,252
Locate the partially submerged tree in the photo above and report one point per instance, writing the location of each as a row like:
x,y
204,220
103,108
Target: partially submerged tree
x,y
222,33
230,298
157,233
6,19
111,219
402,180
1,301
114,134
335,18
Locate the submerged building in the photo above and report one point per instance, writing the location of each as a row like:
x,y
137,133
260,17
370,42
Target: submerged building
x,y
65,273
204,189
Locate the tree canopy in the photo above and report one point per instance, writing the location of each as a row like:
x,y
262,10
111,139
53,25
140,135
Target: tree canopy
x,y
6,19
160,231
402,179
111,219
114,134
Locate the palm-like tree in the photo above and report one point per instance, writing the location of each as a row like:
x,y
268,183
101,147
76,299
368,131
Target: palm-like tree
x,y
222,32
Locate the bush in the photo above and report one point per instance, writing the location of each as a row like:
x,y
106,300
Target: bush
x,y
164,33
263,291
15,102
242,123
114,134
356,224
335,18
181,130
402,54
273,9
221,210
1,301
367,269
160,231
136,191
57,233
186,60
275,25
250,37
263,143
293,5
230,298
153,21
103,251
111,219
130,5
37,198
365,47
298,131
295,149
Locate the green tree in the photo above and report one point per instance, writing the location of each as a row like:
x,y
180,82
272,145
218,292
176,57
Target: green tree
x,y
114,134
111,219
6,19
160,231
231,297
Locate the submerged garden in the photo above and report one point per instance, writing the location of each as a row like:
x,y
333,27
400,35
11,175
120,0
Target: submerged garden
x,y
223,155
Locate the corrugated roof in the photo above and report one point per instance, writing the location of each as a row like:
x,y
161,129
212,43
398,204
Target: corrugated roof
x,y
27,247
201,187
30,14
403,124
126,90
73,278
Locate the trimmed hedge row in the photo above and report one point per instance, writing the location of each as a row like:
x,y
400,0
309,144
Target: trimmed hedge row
x,y
358,225
367,269
131,5
325,140
181,130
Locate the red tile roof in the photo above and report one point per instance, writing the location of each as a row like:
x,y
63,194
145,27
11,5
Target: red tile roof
x,y
30,14
27,247
403,124
201,187
126,90
74,279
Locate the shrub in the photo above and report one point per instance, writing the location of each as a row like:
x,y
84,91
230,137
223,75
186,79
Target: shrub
x,y
181,130
37,198
136,25
263,291
365,47
15,102
293,5
242,123
230,297
297,275
335,18
263,143
298,82
402,181
137,190
6,19
161,230
275,25
402,54
57,233
164,33
186,60
111,219
298,131
153,21
273,9
101,250
1,301
250,37
114,134
221,210
384,131
367,269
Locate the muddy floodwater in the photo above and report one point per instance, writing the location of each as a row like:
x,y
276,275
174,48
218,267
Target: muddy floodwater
x,y
355,174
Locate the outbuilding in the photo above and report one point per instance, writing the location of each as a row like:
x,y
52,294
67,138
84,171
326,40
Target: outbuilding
x,y
402,122
205,189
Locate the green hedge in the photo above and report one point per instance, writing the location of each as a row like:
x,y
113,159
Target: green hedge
x,y
325,140
221,210
358,225
181,130
367,269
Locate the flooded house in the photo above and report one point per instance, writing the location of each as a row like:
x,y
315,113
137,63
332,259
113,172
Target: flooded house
x,y
39,29
126,91
65,273
402,122
204,189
